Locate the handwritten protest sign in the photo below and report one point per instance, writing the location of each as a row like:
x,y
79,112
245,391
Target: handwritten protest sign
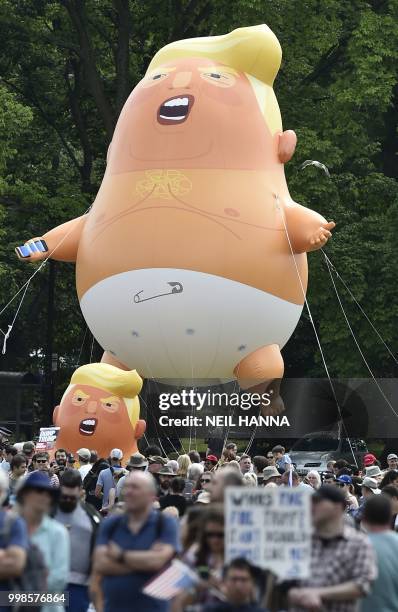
x,y
47,438
271,528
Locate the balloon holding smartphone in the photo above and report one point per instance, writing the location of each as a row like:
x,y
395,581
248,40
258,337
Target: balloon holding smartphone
x,y
26,250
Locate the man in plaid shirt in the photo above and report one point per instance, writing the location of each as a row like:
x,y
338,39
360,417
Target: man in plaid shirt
x,y
343,564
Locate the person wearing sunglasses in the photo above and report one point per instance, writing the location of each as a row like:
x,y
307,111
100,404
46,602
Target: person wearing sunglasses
x,y
41,463
208,560
203,485
82,522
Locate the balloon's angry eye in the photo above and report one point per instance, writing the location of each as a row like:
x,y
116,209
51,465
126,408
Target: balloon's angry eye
x,y
154,79
221,79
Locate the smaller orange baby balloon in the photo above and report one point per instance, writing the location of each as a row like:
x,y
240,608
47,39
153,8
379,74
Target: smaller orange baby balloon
x,y
100,410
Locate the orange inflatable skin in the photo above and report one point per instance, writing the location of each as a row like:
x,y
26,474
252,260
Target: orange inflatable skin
x,y
208,192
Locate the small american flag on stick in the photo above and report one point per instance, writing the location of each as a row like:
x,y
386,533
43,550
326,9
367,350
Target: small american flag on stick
x,y
175,578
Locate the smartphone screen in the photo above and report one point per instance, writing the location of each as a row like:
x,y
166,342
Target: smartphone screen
x,y
23,251
41,246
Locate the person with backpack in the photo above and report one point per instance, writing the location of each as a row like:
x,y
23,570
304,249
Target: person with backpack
x,y
106,478
82,522
132,547
36,498
13,543
90,483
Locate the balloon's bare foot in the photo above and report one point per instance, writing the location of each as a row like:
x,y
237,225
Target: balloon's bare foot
x,y
276,405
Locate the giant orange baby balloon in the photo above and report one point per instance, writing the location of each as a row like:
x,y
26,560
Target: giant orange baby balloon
x,y
100,409
184,267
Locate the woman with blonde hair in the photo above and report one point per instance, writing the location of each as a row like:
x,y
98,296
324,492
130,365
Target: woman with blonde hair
x,y
314,479
183,465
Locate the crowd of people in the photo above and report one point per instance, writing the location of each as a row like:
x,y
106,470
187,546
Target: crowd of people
x,y
101,529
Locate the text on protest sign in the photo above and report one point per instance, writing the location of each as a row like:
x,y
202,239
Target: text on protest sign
x,y
47,438
271,528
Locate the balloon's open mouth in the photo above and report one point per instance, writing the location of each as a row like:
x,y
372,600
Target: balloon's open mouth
x,y
87,427
175,110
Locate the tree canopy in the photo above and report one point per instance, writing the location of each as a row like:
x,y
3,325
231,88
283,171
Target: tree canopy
x,y
67,67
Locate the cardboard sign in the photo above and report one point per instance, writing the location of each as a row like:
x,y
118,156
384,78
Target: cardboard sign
x,y
47,438
271,528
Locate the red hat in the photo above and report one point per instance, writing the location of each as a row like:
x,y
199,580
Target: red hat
x,y
369,459
212,458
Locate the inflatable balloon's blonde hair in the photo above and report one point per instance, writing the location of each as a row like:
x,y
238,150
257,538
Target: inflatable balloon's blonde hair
x,y
114,381
255,51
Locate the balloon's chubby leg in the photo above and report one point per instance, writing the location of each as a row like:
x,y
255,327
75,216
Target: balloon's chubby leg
x,y
60,243
261,372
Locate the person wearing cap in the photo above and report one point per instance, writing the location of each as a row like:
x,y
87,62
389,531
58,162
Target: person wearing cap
x,y
271,476
377,523
84,455
106,479
369,487
36,497
133,547
392,461
345,483
210,463
369,460
343,564
165,476
155,462
137,462
13,541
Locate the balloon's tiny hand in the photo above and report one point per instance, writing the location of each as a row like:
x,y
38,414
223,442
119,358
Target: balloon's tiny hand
x,y
321,236
35,249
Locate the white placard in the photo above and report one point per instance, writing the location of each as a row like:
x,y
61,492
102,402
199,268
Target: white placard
x,y
47,438
271,528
